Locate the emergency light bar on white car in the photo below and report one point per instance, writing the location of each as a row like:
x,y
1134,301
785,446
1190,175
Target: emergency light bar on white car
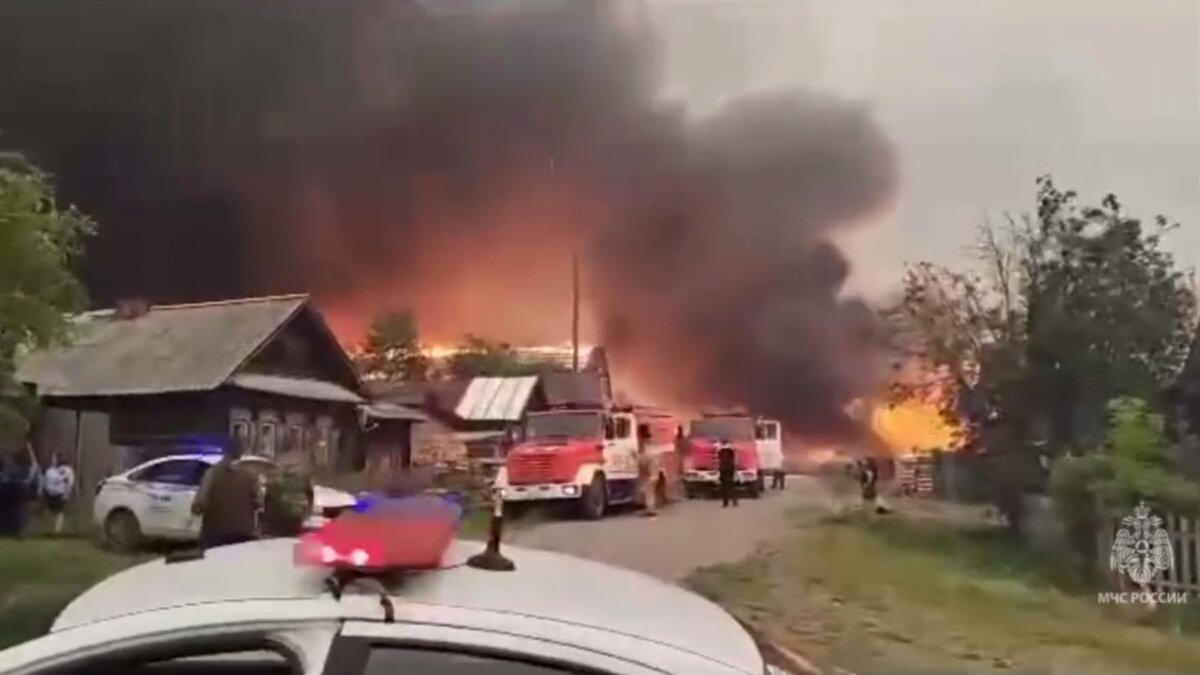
x,y
383,535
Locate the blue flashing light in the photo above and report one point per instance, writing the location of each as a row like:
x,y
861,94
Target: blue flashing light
x,y
450,504
202,445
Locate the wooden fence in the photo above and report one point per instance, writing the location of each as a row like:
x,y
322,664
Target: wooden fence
x,y
915,475
1184,533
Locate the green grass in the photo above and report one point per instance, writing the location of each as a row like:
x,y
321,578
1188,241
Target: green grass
x,y
892,595
40,575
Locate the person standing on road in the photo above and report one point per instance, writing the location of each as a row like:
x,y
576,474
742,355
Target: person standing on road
x,y
648,471
778,476
868,477
726,470
57,485
228,501
11,488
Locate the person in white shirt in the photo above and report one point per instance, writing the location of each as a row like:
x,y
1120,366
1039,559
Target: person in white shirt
x,y
56,489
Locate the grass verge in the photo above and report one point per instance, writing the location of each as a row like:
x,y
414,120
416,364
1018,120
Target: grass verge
x,y
891,595
40,575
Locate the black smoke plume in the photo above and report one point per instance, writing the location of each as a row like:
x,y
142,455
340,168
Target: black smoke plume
x,y
449,155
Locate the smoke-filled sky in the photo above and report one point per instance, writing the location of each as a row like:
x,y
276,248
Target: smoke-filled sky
x,y
448,155
979,97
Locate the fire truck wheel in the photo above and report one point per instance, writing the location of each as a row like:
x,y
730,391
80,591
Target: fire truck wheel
x,y
594,501
689,492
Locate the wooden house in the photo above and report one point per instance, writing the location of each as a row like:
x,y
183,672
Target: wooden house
x,y
138,380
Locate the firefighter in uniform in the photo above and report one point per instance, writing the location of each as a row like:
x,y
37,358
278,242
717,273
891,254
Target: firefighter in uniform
x,y
868,478
726,470
648,470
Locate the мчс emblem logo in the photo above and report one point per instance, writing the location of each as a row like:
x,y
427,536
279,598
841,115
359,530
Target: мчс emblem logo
x,y
1142,548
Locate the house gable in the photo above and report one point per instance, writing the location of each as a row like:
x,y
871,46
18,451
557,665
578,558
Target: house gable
x,y
303,347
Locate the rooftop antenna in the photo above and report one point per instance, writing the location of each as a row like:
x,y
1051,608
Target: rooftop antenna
x,y
491,559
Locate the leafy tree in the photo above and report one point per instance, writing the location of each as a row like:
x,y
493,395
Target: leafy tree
x,y
1065,310
1134,464
393,349
478,357
38,243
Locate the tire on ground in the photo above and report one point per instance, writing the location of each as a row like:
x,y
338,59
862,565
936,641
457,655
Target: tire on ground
x,y
122,531
594,502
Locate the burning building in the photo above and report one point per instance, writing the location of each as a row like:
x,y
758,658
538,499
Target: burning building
x,y
452,157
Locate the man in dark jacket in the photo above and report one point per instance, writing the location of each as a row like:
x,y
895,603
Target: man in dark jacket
x,y
726,471
868,477
11,494
228,502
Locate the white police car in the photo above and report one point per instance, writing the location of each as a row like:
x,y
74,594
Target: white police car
x,y
154,500
253,608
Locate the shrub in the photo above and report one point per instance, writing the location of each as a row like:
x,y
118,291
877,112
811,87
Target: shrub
x,y
1134,464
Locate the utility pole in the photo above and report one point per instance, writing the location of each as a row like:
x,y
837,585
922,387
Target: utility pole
x,y
574,293
575,311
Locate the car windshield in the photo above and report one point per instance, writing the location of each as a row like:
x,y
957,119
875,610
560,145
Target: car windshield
x,y
726,428
564,425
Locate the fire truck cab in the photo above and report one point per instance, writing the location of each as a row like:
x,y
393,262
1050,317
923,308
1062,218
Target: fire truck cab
x,y
768,439
705,437
587,456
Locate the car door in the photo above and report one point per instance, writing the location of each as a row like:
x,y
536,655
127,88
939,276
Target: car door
x,y
167,490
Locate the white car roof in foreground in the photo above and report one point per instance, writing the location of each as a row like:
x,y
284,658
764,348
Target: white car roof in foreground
x,y
545,585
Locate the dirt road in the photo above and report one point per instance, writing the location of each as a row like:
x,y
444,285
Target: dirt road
x,y
684,536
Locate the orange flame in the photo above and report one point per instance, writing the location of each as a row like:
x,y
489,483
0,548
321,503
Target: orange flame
x,y
917,425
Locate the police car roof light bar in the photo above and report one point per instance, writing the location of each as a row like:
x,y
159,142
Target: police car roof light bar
x,y
393,535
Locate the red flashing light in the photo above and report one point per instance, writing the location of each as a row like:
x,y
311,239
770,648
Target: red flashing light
x,y
380,542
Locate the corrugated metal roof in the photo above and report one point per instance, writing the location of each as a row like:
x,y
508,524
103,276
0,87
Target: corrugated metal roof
x,y
297,387
496,399
170,348
390,411
576,388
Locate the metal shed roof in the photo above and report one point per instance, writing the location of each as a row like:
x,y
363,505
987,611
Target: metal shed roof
x,y
496,399
577,388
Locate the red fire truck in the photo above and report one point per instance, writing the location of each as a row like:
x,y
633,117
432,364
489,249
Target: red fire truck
x,y
705,437
590,457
